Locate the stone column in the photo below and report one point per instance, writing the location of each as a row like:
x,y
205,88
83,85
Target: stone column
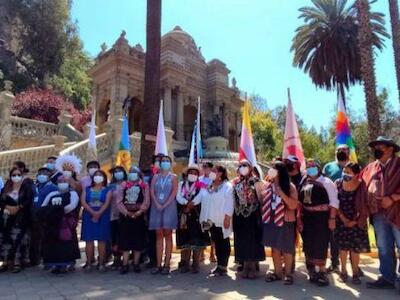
x,y
226,124
167,107
59,141
179,118
6,100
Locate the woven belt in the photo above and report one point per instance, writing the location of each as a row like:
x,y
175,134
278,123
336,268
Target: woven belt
x,y
322,207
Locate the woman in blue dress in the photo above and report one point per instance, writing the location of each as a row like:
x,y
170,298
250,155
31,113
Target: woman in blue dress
x,y
163,214
96,201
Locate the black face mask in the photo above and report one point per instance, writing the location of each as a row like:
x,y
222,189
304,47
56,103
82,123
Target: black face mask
x,y
341,156
378,153
290,167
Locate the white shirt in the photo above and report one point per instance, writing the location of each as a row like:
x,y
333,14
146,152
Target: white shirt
x,y
331,189
74,200
182,200
215,205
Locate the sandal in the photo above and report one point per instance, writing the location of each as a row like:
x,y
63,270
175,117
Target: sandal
x,y
322,279
271,277
165,271
288,280
16,269
343,277
356,280
156,270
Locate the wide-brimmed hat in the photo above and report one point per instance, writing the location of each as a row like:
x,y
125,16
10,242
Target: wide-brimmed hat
x,y
381,140
193,167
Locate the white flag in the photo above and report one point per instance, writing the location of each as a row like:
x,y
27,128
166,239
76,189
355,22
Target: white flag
x,y
196,148
92,147
161,141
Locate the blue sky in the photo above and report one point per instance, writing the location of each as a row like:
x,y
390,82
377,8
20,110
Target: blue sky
x,y
253,37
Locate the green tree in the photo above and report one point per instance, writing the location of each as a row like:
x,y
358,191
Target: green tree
x,y
326,46
42,46
73,79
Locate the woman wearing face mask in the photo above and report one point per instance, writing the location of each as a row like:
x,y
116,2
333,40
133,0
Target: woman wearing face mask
x,y
247,226
189,236
350,237
15,204
96,219
217,207
132,206
279,217
59,219
163,213
119,176
316,220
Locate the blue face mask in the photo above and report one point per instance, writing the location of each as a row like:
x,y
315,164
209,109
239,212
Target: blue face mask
x,y
165,165
313,171
146,179
133,176
51,166
41,178
119,175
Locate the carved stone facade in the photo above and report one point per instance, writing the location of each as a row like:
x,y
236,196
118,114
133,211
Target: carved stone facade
x,y
119,73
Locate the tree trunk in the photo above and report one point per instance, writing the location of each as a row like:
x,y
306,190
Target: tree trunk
x,y
151,103
368,68
394,19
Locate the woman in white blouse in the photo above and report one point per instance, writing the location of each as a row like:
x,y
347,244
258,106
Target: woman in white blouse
x,y
189,235
217,207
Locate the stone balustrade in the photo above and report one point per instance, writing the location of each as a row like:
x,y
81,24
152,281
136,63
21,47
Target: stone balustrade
x,y
32,128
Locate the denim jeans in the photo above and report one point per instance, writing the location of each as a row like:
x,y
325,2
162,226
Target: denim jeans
x,y
387,236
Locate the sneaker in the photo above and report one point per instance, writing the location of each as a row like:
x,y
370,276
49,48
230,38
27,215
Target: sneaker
x,y
381,283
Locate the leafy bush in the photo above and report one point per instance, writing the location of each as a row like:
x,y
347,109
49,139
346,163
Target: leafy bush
x,y
45,105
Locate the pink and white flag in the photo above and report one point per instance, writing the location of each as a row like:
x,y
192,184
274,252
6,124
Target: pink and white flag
x,y
292,142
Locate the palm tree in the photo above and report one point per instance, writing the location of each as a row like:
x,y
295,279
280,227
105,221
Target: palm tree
x,y
365,42
394,19
326,46
151,101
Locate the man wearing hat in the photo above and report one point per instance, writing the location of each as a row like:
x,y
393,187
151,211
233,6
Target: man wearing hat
x,y
380,199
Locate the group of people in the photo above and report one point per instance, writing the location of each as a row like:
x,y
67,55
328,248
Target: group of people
x,y
133,215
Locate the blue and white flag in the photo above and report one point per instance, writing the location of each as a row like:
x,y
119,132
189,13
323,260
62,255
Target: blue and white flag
x,y
196,148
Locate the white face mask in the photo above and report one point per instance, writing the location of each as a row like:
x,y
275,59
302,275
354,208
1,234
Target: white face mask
x,y
63,186
67,174
192,178
272,173
91,171
212,176
16,178
98,179
244,171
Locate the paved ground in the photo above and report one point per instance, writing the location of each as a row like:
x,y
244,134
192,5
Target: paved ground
x,y
37,284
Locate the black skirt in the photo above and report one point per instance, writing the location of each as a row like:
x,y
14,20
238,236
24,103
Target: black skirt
x,y
248,234
131,233
191,237
316,235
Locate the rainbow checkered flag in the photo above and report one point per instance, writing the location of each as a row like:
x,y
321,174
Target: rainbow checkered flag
x,y
343,132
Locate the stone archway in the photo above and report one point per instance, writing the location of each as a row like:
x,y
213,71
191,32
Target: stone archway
x,y
103,112
189,117
134,115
